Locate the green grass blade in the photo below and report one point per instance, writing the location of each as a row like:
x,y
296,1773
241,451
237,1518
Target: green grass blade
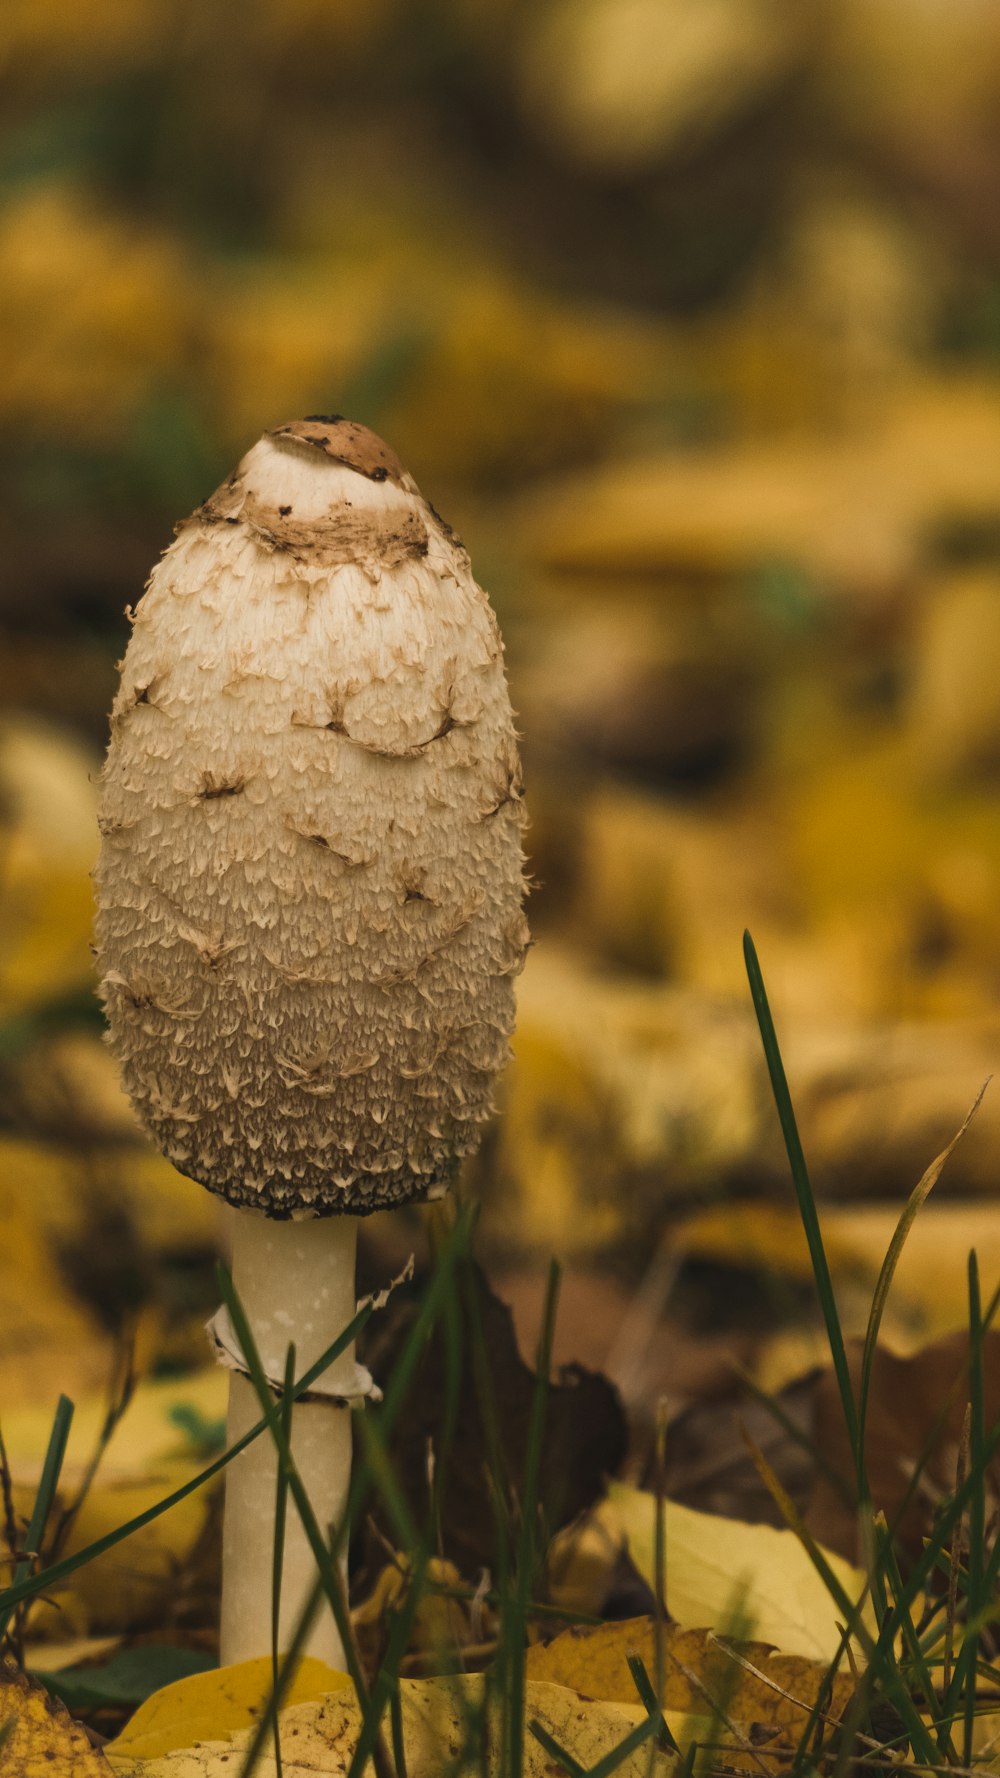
x,y
911,1641
930,1555
806,1200
48,1483
648,1697
850,1610
635,1739
554,1751
396,1730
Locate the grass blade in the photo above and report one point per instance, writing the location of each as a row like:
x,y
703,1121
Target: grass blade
x,y
554,1751
48,1483
806,1201
649,1697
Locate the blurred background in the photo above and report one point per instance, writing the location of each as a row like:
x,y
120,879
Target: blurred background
x,y
686,313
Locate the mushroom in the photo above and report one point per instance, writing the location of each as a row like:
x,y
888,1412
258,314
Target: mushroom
x,y
309,912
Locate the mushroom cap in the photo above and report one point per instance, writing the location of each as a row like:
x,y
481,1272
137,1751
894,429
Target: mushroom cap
x,y
311,875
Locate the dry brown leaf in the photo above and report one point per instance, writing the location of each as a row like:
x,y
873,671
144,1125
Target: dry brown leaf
x,y
915,1410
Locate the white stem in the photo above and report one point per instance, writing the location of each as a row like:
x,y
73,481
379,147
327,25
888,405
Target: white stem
x,y
295,1281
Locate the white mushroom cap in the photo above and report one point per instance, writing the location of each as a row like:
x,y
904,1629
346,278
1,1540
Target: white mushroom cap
x,y
310,884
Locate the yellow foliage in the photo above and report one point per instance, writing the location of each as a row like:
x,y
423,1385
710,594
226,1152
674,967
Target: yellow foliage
x,y
619,82
94,310
52,1203
320,1737
930,1286
103,33
209,1706
699,1672
854,511
716,1566
41,1741
48,842
512,380
48,1345
301,326
610,1078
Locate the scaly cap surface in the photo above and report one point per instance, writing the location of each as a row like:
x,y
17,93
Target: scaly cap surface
x,y
310,883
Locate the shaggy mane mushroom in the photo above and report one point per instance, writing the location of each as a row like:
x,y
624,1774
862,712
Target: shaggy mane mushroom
x,y
309,911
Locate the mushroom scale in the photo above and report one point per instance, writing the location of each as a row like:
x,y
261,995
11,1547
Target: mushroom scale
x,y
311,875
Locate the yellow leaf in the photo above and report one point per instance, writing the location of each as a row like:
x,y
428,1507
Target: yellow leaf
x,y
581,1562
210,1706
621,85
41,1740
321,1737
48,842
94,309
852,510
56,1200
714,1562
698,1672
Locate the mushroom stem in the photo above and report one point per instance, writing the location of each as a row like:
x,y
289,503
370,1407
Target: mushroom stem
x,y
295,1280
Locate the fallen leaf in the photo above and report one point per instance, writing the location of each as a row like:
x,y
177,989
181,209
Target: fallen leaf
x,y
210,1706
321,1737
128,1678
915,1411
779,1694
441,1625
714,1564
584,1441
48,839
41,1739
621,86
854,511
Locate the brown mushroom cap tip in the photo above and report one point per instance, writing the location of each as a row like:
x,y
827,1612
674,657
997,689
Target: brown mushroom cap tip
x,y
345,441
